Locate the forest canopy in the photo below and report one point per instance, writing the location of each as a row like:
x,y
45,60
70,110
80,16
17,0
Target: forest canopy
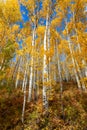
x,y
43,52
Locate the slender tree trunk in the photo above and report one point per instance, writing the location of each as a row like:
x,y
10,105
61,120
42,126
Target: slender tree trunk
x,y
80,74
34,85
83,62
71,52
24,102
60,80
30,82
15,69
38,81
55,62
31,69
49,64
66,72
17,78
45,69
24,80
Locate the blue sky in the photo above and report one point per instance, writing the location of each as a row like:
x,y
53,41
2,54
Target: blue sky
x,y
42,21
25,13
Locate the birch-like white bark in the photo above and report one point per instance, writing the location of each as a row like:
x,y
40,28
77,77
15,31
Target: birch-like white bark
x,y
24,102
60,80
73,62
30,82
31,70
24,80
80,74
79,47
15,69
45,69
55,63
49,64
17,78
34,85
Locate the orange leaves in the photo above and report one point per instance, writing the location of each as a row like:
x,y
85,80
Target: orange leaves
x,y
70,26
82,40
56,22
54,35
74,39
10,10
26,31
20,52
29,41
63,46
46,4
15,28
40,31
63,4
47,83
49,53
16,45
29,4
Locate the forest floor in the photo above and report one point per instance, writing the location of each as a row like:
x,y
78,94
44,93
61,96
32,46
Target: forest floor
x,y
70,113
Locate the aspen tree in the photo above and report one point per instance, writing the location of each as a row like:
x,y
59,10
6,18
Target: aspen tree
x,y
60,79
31,6
45,67
24,102
8,45
78,13
46,46
73,61
18,73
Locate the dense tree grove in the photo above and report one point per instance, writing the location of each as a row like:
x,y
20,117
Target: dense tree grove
x,y
43,44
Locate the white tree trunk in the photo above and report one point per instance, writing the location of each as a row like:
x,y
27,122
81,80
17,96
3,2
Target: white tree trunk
x,y
24,80
34,84
79,47
24,102
60,80
31,70
80,75
17,78
84,63
30,82
73,62
45,69
66,72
